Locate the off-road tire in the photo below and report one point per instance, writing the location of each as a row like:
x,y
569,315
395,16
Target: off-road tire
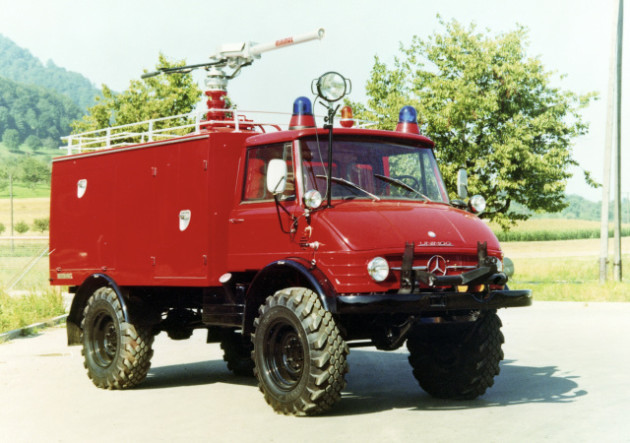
x,y
457,361
117,354
237,353
299,353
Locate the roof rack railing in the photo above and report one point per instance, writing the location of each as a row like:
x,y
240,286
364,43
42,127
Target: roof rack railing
x,y
176,126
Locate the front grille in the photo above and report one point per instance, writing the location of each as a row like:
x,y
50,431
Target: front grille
x,y
454,264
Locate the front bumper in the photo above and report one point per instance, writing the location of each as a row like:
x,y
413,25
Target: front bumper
x,y
431,302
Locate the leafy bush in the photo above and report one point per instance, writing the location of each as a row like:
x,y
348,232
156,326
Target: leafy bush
x,y
41,224
21,227
2,228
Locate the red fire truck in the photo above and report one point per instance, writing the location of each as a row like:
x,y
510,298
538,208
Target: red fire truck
x,y
287,246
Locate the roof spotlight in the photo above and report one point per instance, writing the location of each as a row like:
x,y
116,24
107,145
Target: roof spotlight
x,y
331,86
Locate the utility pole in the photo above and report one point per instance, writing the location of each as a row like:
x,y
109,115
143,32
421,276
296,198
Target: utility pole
x,y
614,103
11,200
617,274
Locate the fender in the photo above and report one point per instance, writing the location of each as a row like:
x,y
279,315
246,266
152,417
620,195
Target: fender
x,y
81,296
285,273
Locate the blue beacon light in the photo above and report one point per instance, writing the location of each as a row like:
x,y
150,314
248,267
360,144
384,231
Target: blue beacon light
x,y
408,120
302,114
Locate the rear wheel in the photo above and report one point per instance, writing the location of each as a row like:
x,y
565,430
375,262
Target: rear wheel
x,y
117,354
237,353
457,361
299,354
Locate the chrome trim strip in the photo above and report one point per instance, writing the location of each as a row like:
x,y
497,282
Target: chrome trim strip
x,y
424,268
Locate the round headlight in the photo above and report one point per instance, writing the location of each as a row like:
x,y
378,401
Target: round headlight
x,y
477,204
331,86
378,269
508,267
312,199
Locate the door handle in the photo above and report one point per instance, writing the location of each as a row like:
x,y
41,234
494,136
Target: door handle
x,y
237,220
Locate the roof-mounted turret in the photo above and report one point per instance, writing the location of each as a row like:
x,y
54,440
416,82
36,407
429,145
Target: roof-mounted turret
x,y
232,56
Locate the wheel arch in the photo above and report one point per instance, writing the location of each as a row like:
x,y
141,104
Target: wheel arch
x,y
282,274
79,301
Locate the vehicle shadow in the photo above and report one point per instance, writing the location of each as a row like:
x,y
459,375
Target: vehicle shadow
x,y
380,381
391,385
193,374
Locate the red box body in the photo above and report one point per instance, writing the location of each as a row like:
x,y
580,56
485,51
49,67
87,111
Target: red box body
x,y
126,224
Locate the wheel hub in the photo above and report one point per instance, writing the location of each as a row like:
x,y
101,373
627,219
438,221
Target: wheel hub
x,y
105,340
284,356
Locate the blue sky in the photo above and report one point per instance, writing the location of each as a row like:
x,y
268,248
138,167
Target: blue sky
x,y
112,41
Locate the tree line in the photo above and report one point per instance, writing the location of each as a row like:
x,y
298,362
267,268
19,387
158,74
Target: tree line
x,y
33,115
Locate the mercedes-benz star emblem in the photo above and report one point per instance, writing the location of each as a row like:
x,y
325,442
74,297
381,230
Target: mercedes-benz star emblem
x,y
437,265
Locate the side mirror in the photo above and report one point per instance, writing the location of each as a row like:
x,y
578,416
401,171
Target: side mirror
x,y
462,184
276,176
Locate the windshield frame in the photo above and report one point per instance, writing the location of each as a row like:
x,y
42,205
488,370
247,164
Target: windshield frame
x,y
423,149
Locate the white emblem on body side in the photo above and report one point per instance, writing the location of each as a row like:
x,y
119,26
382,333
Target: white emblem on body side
x,y
184,219
81,187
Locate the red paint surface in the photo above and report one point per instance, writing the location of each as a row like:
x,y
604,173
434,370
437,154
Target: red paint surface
x,y
127,223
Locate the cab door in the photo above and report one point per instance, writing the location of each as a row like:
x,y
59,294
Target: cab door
x,y
259,230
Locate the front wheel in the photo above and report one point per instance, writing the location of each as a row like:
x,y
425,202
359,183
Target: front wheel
x,y
457,361
299,354
117,354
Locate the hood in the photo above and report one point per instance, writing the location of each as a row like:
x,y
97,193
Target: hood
x,y
385,225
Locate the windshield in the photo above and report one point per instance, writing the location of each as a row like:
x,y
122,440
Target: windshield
x,y
376,170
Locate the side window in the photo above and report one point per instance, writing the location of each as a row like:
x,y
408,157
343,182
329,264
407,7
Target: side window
x,y
258,159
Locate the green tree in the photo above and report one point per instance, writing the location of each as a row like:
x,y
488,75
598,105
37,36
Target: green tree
x,y
145,99
32,171
11,139
33,142
490,109
2,228
50,143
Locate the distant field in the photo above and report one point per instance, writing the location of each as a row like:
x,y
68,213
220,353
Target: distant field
x,y
547,229
24,209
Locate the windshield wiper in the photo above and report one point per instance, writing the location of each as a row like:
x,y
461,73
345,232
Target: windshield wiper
x,y
401,185
343,181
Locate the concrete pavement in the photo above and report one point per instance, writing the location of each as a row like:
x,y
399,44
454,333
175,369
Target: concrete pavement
x,y
565,378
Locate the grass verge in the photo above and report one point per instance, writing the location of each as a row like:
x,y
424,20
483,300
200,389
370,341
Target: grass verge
x,y
570,278
23,310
